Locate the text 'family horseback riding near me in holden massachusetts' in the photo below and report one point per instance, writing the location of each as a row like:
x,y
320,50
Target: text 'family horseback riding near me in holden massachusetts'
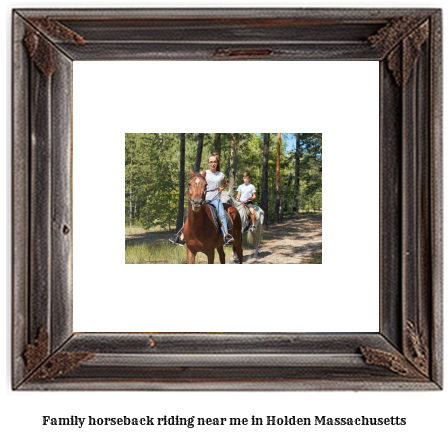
x,y
246,197
190,422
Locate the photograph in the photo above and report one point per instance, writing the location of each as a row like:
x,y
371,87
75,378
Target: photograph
x,y
249,197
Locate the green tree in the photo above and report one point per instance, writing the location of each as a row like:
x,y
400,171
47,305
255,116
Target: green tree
x,y
157,169
180,207
277,179
197,162
265,177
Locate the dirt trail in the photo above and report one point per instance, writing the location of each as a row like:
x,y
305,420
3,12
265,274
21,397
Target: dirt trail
x,y
289,242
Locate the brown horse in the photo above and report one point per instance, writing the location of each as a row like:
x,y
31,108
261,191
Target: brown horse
x,y
200,233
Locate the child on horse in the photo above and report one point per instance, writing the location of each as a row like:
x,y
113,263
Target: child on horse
x,y
247,194
213,177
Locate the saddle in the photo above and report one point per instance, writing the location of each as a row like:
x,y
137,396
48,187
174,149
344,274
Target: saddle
x,y
216,219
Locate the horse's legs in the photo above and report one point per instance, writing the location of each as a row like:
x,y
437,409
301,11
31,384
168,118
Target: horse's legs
x,y
257,238
190,256
211,257
238,247
234,256
222,256
240,253
237,235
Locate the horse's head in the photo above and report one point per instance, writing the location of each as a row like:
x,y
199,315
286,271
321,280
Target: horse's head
x,y
197,188
226,198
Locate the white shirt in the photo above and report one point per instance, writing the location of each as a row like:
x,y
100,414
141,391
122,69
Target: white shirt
x,y
246,191
213,180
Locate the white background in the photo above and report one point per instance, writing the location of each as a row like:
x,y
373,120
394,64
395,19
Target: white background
x,y
22,411
339,99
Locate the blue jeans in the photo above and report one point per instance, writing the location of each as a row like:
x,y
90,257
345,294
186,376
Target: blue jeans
x,y
220,208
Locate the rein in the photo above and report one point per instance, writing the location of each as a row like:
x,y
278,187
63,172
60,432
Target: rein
x,y
203,202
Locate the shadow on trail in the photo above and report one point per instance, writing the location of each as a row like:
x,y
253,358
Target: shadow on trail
x,y
250,258
150,236
290,241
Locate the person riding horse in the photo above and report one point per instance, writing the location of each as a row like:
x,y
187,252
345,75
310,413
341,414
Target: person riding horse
x,y
247,194
213,177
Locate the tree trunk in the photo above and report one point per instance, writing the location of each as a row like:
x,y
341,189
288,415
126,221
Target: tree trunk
x,y
277,178
130,194
218,144
264,180
232,168
180,212
197,162
160,172
284,196
297,175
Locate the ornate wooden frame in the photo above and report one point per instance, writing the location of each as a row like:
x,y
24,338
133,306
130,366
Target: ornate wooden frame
x,y
406,354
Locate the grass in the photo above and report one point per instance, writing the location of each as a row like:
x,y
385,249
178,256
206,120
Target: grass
x,y
166,253
313,259
146,252
128,231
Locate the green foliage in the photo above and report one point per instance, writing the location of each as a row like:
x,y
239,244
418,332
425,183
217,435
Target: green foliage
x,y
309,196
152,172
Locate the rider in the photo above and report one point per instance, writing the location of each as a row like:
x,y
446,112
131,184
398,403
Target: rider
x,y
247,193
213,177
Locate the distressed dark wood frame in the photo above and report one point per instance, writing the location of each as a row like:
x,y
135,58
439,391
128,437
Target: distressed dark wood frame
x,y
406,354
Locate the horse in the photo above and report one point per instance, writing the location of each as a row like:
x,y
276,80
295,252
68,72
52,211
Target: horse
x,y
253,238
200,233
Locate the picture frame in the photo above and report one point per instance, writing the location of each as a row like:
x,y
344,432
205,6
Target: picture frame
x,y
406,353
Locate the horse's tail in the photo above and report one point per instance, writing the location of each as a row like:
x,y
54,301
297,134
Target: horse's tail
x,y
254,236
